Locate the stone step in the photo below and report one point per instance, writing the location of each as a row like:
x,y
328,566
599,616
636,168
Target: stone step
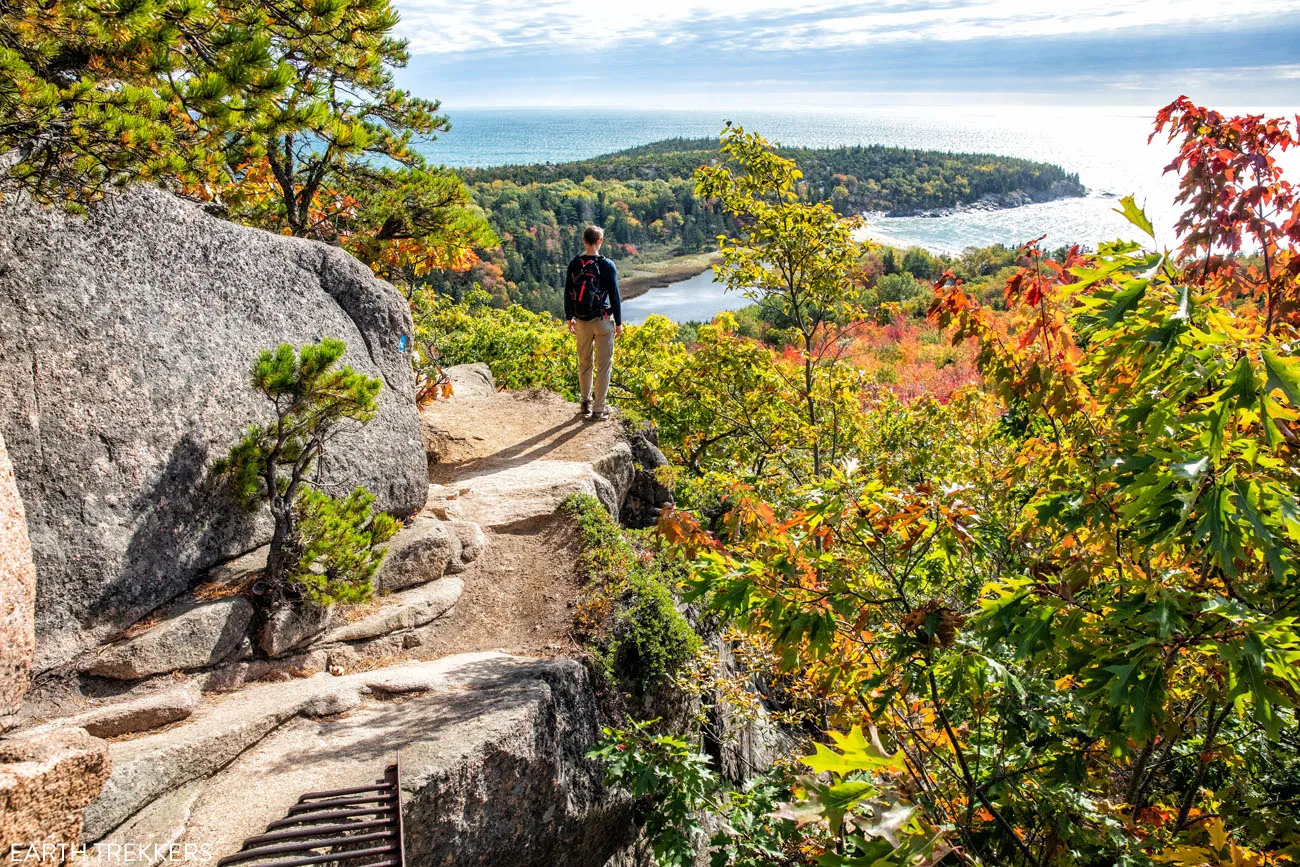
x,y
506,460
426,549
193,634
523,497
405,610
135,713
493,751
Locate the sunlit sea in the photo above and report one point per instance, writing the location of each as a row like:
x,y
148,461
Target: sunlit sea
x,y
1106,146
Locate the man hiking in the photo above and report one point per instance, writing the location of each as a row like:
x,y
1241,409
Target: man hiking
x,y
595,314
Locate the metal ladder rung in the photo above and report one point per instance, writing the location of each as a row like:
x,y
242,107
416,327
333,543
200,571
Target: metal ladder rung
x,y
378,785
327,815
316,822
341,802
323,859
313,830
248,854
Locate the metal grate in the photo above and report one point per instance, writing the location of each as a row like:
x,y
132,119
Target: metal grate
x,y
357,827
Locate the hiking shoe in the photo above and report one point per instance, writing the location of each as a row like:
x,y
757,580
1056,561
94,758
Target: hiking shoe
x,y
600,415
585,408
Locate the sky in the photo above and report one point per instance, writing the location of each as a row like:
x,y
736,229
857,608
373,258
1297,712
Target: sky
x,y
778,54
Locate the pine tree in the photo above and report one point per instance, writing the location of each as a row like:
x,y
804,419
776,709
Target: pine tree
x,y
889,261
95,95
284,109
332,157
322,549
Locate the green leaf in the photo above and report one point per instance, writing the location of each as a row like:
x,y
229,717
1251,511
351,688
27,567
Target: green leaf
x,y
856,754
1130,211
840,798
1125,300
1264,537
1283,374
1253,670
1139,693
1241,383
1175,323
1214,525
1165,616
828,803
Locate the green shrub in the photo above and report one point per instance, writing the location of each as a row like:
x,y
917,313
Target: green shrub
x,y
524,349
670,779
627,617
338,539
920,264
676,790
899,288
688,333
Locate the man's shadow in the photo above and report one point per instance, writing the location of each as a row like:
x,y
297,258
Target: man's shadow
x,y
534,448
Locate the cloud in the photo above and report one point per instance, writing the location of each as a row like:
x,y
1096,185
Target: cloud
x,y
1239,66
692,53
454,26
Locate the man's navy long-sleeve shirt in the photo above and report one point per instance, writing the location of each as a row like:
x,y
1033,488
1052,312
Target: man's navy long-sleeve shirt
x,y
608,283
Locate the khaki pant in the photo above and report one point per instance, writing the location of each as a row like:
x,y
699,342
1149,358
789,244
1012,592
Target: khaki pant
x,y
596,334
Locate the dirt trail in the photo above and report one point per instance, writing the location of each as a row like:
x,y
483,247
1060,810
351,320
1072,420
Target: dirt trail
x,y
518,598
473,436
519,594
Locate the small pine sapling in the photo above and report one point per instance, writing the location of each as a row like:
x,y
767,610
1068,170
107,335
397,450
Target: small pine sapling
x,y
323,549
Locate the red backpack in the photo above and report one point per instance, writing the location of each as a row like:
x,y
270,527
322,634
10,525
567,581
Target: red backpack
x,y
586,296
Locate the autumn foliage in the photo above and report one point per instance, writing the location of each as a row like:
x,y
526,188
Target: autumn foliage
x,y
913,358
1073,614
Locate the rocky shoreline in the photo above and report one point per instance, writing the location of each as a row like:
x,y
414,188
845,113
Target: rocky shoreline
x,y
1001,201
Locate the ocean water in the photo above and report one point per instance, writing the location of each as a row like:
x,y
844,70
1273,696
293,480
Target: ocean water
x,y
1106,146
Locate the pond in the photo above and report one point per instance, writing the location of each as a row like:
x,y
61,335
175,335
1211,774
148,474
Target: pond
x,y
695,299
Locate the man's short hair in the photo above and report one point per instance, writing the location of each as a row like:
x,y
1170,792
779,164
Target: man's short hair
x,y
593,235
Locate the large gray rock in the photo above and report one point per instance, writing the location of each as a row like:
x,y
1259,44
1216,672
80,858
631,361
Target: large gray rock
x,y
418,554
125,344
292,626
745,741
513,785
473,542
471,380
192,635
525,496
646,496
17,594
493,752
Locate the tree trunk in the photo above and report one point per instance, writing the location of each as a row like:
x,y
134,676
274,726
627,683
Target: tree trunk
x,y
277,559
812,405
